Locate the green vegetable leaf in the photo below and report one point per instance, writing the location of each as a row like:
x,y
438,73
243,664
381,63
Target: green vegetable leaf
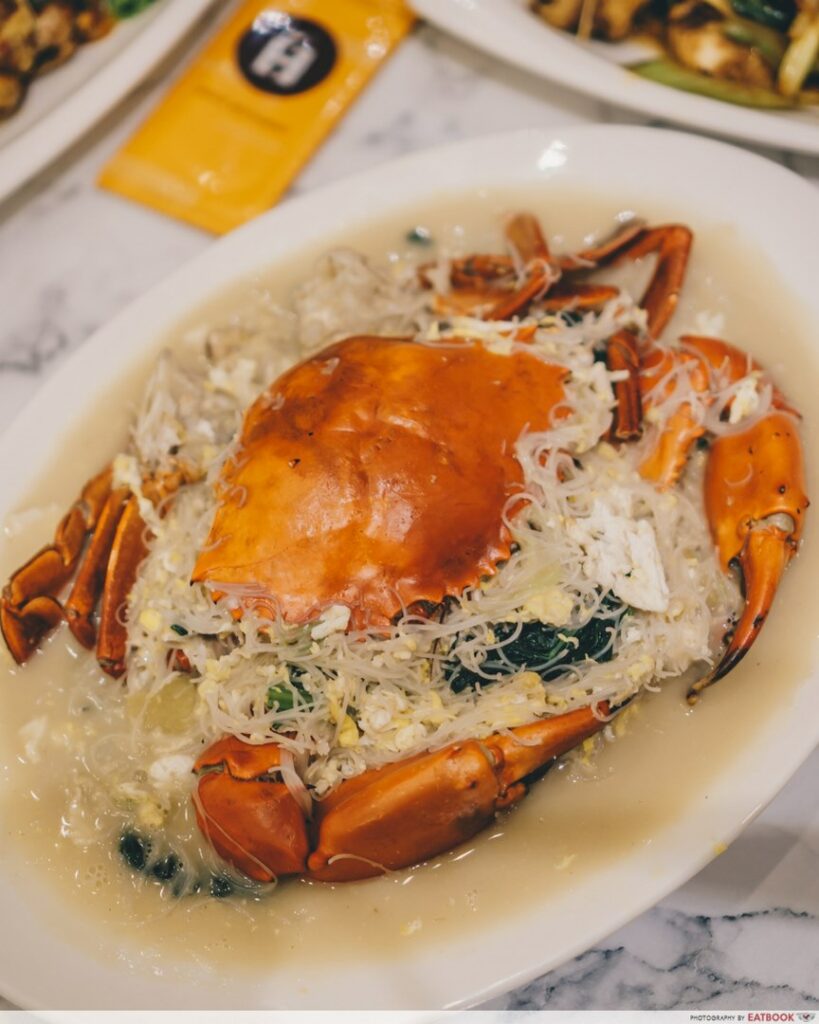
x,y
282,696
774,13
128,8
540,647
666,72
419,235
770,44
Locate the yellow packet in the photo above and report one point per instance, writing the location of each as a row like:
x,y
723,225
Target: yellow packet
x,y
234,131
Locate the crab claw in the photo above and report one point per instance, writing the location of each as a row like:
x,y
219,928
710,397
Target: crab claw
x,y
385,819
251,820
755,501
396,816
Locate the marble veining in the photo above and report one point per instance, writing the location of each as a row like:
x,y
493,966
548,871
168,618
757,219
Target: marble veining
x,y
744,933
679,962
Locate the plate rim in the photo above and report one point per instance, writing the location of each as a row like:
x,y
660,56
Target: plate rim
x,y
477,23
28,154
253,249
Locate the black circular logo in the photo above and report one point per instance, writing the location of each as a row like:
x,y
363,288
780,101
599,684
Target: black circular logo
x,y
285,55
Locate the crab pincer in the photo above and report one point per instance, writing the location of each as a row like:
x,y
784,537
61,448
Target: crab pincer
x,y
755,501
755,496
250,818
383,820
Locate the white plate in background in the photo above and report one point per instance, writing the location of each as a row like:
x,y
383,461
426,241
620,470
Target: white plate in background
x,y
508,30
62,105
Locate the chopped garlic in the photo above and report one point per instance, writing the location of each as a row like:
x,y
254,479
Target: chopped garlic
x,y
552,605
641,669
436,716
348,733
150,620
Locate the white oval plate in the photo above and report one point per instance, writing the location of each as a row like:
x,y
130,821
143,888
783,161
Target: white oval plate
x,y
62,105
507,29
481,963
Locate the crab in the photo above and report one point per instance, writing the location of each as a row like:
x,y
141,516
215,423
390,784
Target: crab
x,y
371,476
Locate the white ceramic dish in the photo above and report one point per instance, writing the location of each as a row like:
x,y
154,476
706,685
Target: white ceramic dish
x,y
62,105
506,29
476,965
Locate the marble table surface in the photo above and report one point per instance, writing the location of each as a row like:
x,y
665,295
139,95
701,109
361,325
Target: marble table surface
x,y
744,933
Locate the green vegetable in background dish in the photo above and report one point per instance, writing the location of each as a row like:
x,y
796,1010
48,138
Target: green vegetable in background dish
x,y
776,14
762,54
128,8
769,43
666,72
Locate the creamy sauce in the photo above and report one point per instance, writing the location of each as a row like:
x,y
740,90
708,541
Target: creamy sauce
x,y
568,826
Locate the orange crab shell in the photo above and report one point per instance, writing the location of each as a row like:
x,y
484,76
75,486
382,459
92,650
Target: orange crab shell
x,y
375,475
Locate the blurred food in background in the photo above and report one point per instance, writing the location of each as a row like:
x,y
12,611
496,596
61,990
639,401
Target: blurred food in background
x,y
758,53
37,36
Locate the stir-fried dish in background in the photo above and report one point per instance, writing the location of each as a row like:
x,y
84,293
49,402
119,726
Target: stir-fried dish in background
x,y
37,36
759,53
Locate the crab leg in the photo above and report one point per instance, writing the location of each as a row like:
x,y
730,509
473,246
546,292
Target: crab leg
x,y
29,605
560,297
478,269
90,579
29,608
536,284
481,283
477,281
385,819
525,237
624,351
577,297
528,244
622,354
661,372
672,245
129,547
127,552
596,255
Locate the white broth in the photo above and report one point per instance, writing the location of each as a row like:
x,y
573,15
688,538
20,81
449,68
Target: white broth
x,y
567,826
